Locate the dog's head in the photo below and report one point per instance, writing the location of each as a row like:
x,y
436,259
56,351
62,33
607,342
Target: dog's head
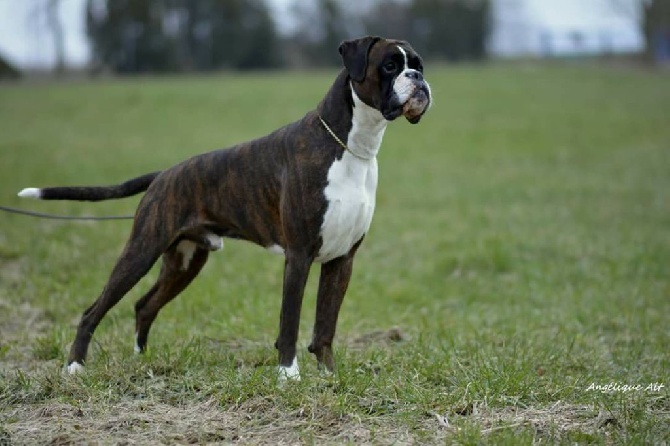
x,y
387,75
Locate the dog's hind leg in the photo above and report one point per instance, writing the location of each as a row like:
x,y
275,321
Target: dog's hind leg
x,y
181,264
135,261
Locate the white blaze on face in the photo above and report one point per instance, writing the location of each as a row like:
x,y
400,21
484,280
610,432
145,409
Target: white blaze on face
x,y
404,56
403,86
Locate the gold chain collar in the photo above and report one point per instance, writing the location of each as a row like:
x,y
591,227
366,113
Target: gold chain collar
x,y
339,141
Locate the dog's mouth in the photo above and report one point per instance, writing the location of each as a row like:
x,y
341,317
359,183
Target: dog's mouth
x,y
414,107
392,113
417,104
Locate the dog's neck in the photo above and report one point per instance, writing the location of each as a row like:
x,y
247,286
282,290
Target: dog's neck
x,y
357,124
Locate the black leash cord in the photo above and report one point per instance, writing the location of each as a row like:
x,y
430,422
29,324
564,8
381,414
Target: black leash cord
x,y
64,217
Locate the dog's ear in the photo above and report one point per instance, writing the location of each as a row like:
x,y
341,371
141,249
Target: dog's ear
x,y
355,56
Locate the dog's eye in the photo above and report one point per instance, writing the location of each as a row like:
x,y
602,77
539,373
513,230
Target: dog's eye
x,y
390,67
419,68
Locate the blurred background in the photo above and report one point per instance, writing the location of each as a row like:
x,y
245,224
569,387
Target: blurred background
x,y
92,37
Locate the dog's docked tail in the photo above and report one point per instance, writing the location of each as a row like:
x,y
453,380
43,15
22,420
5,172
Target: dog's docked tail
x,y
92,193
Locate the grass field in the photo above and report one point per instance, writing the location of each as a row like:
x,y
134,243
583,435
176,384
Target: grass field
x,y
518,262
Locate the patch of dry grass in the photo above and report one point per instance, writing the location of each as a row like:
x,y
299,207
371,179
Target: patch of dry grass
x,y
260,421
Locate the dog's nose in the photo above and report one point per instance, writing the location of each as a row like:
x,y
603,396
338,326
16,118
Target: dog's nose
x,y
414,74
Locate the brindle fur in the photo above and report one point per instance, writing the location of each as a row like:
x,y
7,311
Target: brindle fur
x,y
269,191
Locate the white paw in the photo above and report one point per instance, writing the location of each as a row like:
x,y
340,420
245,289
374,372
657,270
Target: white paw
x,y
30,192
325,373
75,368
289,373
137,348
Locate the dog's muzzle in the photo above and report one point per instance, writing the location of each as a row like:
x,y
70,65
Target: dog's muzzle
x,y
417,103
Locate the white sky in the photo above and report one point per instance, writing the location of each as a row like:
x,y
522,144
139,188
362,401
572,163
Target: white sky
x,y
25,38
583,13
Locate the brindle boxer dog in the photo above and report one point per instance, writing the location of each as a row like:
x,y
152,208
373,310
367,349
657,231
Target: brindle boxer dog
x,y
306,191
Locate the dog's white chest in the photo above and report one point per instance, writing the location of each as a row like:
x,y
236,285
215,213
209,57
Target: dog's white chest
x,y
352,184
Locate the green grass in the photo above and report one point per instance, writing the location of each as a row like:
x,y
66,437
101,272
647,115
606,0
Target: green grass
x,y
521,247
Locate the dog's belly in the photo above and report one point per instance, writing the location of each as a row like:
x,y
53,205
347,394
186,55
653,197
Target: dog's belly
x,y
352,184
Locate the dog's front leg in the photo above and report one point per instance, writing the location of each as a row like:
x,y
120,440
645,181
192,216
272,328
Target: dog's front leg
x,y
333,283
296,270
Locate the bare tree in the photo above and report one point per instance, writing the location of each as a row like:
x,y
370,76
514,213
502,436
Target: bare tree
x,y
46,12
653,17
57,34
